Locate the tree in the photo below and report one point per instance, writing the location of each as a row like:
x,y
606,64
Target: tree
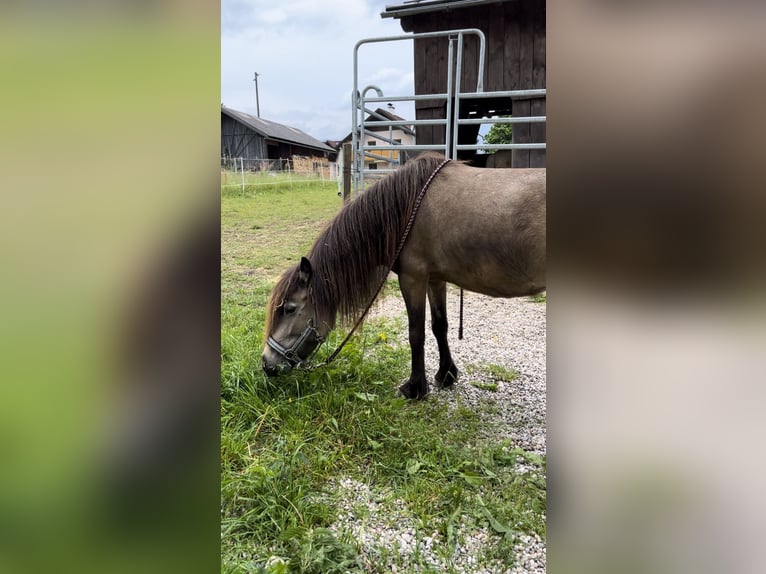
x,y
499,134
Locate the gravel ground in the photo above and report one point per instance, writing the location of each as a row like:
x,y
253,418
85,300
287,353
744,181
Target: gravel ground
x,y
387,531
505,332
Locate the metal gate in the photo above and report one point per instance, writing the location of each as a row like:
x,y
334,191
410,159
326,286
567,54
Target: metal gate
x,y
451,123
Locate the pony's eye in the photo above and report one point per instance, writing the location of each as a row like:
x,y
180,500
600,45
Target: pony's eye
x,y
290,308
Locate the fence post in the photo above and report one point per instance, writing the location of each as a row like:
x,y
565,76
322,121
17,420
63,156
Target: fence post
x,y
242,171
346,172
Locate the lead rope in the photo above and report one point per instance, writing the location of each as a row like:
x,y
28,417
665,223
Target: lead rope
x,y
406,233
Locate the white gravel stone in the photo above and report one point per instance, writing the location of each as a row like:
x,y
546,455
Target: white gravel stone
x,y
505,332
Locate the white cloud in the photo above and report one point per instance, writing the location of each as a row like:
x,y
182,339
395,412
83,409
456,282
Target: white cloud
x,y
273,16
303,51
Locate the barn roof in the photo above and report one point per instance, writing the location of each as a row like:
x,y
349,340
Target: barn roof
x,y
275,131
390,116
412,7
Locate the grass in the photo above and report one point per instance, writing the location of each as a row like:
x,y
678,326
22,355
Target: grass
x,y
492,371
540,297
484,386
255,182
285,442
501,373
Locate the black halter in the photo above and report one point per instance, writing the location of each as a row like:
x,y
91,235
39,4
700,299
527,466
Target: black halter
x,y
294,353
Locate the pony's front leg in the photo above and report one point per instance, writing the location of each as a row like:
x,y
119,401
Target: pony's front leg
x,y
414,293
437,298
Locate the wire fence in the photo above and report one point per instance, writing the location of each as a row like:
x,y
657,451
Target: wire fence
x,y
242,174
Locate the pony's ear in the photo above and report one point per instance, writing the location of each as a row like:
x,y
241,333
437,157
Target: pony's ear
x,y
305,272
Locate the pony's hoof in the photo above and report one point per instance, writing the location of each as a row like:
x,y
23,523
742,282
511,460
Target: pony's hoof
x,y
413,392
444,380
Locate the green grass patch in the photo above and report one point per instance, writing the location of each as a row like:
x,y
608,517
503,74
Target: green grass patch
x,y
540,297
484,386
501,373
232,184
286,441
493,371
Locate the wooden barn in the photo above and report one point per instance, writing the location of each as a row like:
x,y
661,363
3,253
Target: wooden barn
x,y
515,60
256,140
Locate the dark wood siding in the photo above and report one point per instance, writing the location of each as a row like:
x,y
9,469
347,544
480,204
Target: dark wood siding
x,y
515,34
238,140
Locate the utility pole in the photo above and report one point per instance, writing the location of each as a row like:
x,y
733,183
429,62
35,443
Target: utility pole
x,y
257,101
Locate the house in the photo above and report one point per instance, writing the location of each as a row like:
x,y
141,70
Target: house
x,y
385,159
335,168
266,145
515,60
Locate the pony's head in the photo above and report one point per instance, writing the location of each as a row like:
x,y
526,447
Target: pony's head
x,y
294,329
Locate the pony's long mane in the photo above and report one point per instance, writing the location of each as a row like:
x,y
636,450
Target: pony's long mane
x,y
352,255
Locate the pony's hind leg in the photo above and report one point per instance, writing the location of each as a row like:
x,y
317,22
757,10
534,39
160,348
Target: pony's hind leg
x,y
437,298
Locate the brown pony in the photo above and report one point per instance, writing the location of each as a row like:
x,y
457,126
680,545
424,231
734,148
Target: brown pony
x,y
481,229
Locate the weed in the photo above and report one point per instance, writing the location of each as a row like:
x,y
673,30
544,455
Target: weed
x,y
539,298
501,373
484,386
493,371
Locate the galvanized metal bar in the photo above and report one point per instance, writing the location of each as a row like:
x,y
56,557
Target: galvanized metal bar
x,y
354,118
439,96
370,112
448,114
362,128
513,94
482,58
437,34
371,87
377,135
375,156
503,146
458,75
387,123
511,120
408,147
390,140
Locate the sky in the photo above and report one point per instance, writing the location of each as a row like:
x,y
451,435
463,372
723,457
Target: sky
x,y
303,53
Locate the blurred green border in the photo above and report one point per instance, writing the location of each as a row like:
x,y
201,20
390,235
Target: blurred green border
x,y
109,152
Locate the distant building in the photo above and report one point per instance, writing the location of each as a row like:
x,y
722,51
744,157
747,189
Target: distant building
x,y
387,159
263,144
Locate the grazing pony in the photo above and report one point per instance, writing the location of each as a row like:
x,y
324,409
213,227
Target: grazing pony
x,y
480,229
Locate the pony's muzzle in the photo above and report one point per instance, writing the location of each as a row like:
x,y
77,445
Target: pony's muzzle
x,y
275,369
270,370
